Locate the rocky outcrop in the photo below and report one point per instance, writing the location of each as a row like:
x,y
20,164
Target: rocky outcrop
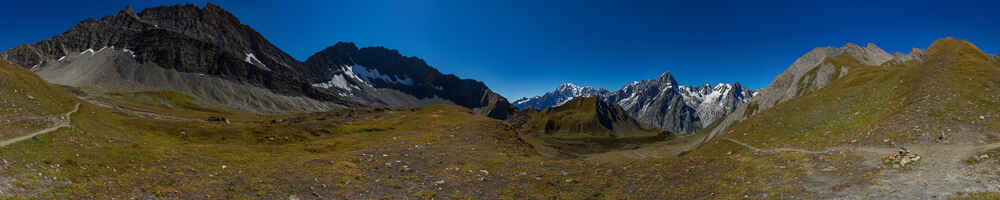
x,y
869,55
914,55
345,67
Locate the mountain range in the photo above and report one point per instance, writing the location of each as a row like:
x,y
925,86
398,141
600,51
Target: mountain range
x,y
661,102
185,102
562,94
208,54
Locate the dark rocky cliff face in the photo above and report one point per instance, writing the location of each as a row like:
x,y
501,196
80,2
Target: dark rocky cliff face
x,y
387,68
185,38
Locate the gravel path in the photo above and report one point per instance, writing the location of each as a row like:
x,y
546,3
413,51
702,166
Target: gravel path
x,y
782,149
63,122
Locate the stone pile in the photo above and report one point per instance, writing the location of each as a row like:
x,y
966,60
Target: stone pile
x,y
901,159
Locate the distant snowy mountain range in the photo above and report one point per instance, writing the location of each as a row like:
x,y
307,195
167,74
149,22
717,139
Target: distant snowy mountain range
x,y
564,93
660,102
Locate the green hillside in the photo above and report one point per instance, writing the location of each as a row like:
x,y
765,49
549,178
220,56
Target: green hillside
x,y
587,125
891,104
28,103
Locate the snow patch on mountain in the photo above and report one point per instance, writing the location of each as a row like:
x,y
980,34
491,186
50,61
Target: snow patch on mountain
x,y
713,102
130,52
363,75
337,81
369,75
345,79
252,59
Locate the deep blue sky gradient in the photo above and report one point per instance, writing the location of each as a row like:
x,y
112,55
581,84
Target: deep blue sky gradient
x,y
526,47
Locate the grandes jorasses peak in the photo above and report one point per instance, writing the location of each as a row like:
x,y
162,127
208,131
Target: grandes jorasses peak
x,y
657,102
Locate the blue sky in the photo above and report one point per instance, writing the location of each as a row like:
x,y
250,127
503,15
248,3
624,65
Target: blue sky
x,y
524,48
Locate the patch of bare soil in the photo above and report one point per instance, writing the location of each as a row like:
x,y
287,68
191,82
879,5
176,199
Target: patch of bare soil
x,y
942,172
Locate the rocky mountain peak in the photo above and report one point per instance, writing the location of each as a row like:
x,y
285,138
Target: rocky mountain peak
x,y
870,55
128,11
583,90
871,47
190,12
567,86
666,77
321,66
342,46
915,54
850,46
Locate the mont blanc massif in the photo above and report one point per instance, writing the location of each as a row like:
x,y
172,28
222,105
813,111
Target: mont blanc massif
x,y
187,102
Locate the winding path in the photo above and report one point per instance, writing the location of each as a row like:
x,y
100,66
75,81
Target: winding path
x,y
782,149
63,122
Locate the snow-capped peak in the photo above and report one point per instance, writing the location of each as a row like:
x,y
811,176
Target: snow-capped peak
x,y
568,85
